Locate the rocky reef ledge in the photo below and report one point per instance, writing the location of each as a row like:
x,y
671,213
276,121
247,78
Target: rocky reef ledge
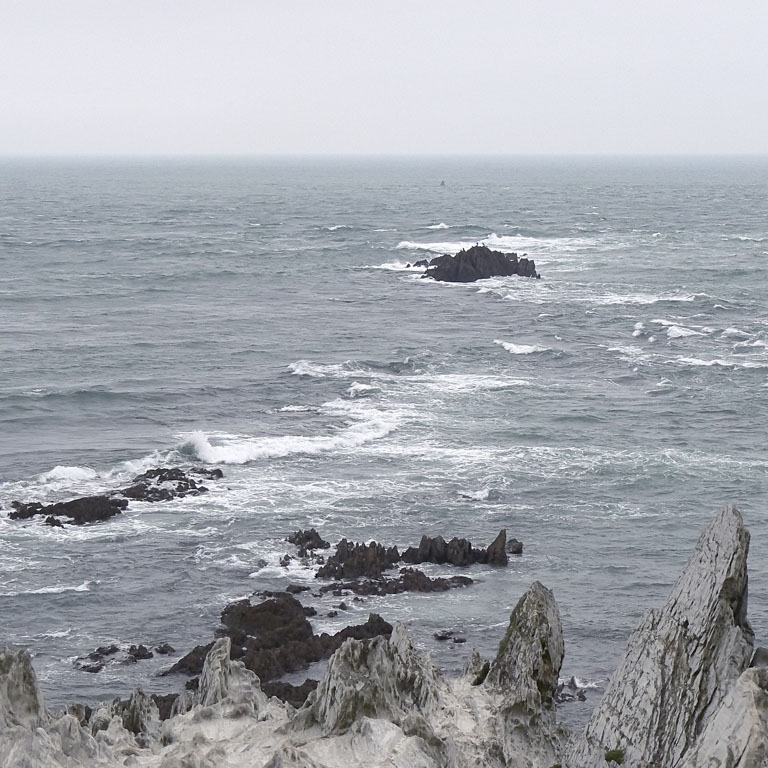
x,y
684,696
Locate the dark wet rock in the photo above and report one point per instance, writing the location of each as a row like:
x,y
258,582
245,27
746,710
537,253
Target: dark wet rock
x,y
514,547
342,606
164,703
459,639
273,637
295,589
285,560
332,614
166,483
292,694
307,541
96,660
164,649
87,509
570,691
457,551
410,580
54,521
139,653
192,662
352,561
477,263
443,635
496,553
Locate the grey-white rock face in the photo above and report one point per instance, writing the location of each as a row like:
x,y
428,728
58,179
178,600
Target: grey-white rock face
x,y
681,660
224,680
526,672
737,736
383,678
21,702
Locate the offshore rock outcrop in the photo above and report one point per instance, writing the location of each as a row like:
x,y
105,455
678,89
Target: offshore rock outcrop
x,y
682,697
353,561
477,263
159,484
87,509
167,483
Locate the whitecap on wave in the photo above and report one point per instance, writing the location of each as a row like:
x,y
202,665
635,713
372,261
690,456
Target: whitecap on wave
x,y
441,225
363,425
521,349
509,243
68,474
681,332
395,266
84,587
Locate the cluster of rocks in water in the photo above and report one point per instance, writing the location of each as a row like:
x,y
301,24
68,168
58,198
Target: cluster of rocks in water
x,y
477,263
158,484
360,567
274,637
690,692
96,660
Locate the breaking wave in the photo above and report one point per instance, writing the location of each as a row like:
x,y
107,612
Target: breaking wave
x,y
363,426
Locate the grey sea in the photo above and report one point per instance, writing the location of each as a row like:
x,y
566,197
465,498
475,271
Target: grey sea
x,y
261,316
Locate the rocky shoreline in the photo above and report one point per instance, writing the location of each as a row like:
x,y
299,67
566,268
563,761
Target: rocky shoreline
x,y
683,696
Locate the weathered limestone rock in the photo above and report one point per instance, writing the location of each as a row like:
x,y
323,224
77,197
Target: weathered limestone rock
x,y
737,736
223,679
141,717
382,678
681,661
526,671
21,702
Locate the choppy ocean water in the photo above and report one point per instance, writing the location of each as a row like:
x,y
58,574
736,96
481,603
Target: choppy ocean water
x,y
259,316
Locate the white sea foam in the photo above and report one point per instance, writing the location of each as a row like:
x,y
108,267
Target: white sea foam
x,y
610,299
306,368
521,349
735,333
722,363
537,246
363,426
467,382
356,389
334,227
441,225
84,587
346,369
68,474
396,266
295,409
681,332
484,494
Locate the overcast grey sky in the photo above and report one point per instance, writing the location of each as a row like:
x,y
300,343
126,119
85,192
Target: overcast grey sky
x,y
394,77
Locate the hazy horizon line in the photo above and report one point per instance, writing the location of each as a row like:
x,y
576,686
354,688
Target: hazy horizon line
x,y
378,155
